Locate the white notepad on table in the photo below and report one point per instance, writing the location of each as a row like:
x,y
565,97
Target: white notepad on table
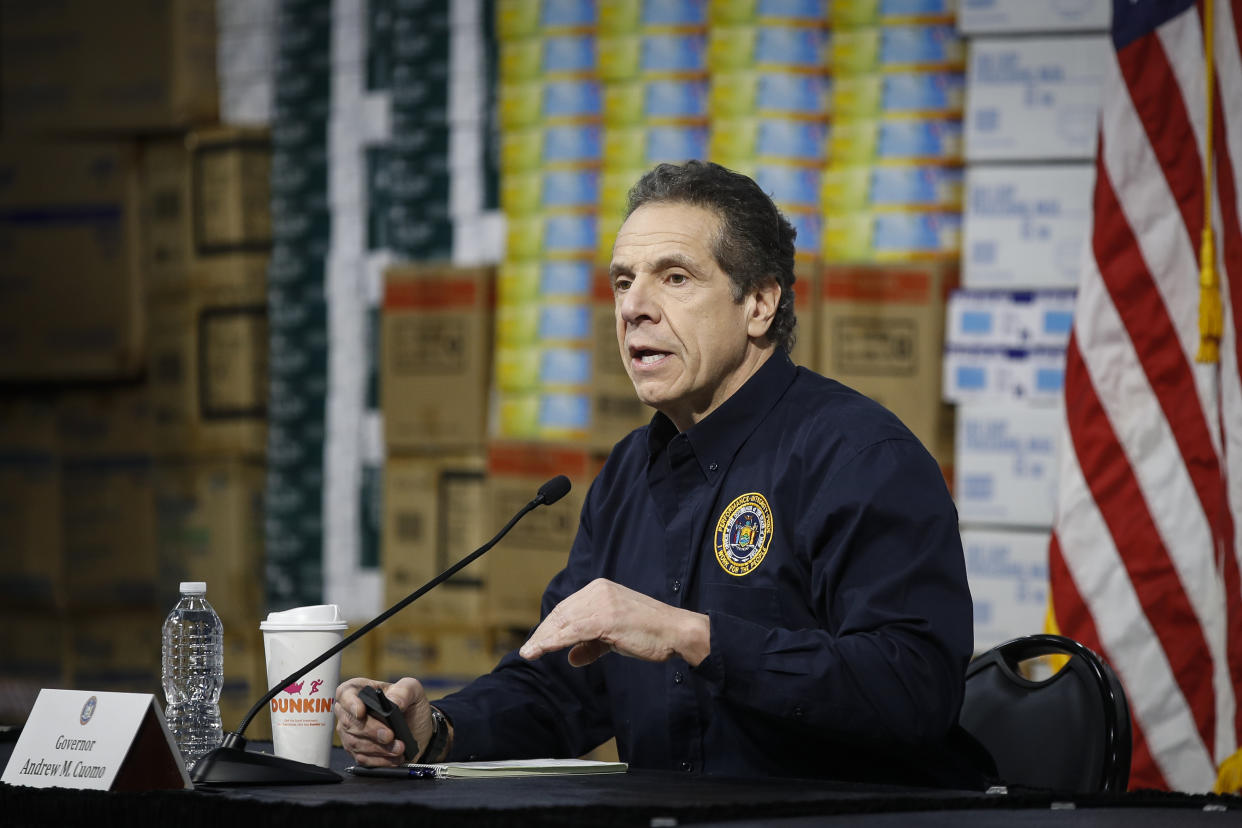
x,y
522,767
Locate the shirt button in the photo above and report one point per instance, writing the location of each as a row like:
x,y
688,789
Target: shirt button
x,y
797,712
676,586
686,766
678,678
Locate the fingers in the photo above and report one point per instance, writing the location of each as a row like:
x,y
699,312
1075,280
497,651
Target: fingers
x,y
583,653
368,739
600,617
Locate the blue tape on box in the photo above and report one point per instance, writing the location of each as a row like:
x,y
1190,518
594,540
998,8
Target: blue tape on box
x,y
565,366
569,53
676,99
570,411
570,278
675,143
571,188
799,46
572,143
780,92
564,321
682,53
797,140
674,13
571,98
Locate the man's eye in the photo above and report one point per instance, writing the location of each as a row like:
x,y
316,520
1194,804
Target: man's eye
x,y
620,285
677,278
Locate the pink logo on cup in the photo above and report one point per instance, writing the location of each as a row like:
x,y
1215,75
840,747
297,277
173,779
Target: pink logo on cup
x,y
295,688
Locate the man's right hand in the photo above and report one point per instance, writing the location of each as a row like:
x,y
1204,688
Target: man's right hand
x,y
368,739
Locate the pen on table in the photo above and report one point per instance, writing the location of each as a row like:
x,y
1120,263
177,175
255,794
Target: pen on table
x,y
402,772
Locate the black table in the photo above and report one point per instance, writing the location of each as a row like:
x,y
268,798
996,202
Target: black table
x,y
638,798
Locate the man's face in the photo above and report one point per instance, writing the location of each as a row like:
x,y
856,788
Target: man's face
x,y
686,344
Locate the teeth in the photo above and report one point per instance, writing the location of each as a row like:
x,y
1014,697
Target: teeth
x,y
650,358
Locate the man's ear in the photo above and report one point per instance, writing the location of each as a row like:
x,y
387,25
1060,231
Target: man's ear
x,y
764,301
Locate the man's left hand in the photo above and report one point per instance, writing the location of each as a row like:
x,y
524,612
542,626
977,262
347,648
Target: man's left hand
x,y
605,617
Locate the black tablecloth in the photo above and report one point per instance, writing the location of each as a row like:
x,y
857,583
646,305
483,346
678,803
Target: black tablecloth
x,y
638,798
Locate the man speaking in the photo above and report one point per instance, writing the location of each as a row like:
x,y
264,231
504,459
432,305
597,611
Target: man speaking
x,y
767,579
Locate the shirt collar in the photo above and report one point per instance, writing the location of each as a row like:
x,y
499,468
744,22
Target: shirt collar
x,y
717,437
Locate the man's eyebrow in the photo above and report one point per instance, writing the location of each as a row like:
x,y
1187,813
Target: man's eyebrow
x,y
662,263
675,260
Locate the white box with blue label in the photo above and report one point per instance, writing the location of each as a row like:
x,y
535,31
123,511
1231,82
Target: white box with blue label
x,y
1010,318
976,17
1034,98
1026,225
1008,575
1005,464
1003,375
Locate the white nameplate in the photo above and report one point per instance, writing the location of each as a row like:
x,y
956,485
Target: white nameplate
x,y
104,741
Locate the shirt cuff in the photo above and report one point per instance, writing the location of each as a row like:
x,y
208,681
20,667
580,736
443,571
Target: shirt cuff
x,y
734,660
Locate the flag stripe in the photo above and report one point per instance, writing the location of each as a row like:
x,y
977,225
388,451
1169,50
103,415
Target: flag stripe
x,y
1075,618
1230,260
1124,509
1163,719
1156,97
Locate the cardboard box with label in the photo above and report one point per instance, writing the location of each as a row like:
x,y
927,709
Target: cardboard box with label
x,y
205,195
976,17
33,646
521,566
1025,226
1006,464
1010,318
107,499
434,515
70,274
436,350
116,650
1034,98
208,360
1004,375
127,65
881,333
1008,576
209,527
31,566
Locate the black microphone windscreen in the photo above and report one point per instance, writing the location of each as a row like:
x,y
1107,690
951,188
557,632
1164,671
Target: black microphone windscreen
x,y
554,490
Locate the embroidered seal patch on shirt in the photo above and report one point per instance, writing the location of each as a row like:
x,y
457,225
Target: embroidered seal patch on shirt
x,y
743,534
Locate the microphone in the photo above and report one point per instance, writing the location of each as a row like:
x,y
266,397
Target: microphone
x,y
553,490
230,764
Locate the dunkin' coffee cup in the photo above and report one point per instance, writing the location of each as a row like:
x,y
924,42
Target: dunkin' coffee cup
x,y
302,721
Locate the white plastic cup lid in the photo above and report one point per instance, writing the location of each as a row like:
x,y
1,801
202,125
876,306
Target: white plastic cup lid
x,y
194,587
318,617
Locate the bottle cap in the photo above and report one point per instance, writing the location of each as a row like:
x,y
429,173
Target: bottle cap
x,y
193,587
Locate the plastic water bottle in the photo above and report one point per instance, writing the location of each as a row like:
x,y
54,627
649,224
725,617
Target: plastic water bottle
x,y
193,672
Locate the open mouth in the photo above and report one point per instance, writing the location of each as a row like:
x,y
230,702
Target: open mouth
x,y
647,356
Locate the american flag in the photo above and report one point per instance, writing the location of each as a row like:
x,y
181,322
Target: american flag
x,y
1144,554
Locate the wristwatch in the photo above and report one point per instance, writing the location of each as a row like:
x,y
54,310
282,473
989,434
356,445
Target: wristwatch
x,y
439,737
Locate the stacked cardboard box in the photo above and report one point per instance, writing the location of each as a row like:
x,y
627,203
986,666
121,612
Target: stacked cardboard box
x,y
1032,95
892,191
135,329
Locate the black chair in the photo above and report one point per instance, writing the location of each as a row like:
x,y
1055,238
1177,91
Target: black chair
x,y
1069,732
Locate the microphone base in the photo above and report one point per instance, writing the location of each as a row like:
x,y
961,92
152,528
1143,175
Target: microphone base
x,y
231,766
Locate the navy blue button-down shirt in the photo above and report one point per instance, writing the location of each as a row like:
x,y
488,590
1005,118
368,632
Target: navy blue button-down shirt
x,y
818,536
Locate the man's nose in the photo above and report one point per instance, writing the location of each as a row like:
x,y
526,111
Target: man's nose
x,y
637,302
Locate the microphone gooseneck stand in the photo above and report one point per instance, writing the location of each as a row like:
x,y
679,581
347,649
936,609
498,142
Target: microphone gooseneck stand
x,y
230,764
